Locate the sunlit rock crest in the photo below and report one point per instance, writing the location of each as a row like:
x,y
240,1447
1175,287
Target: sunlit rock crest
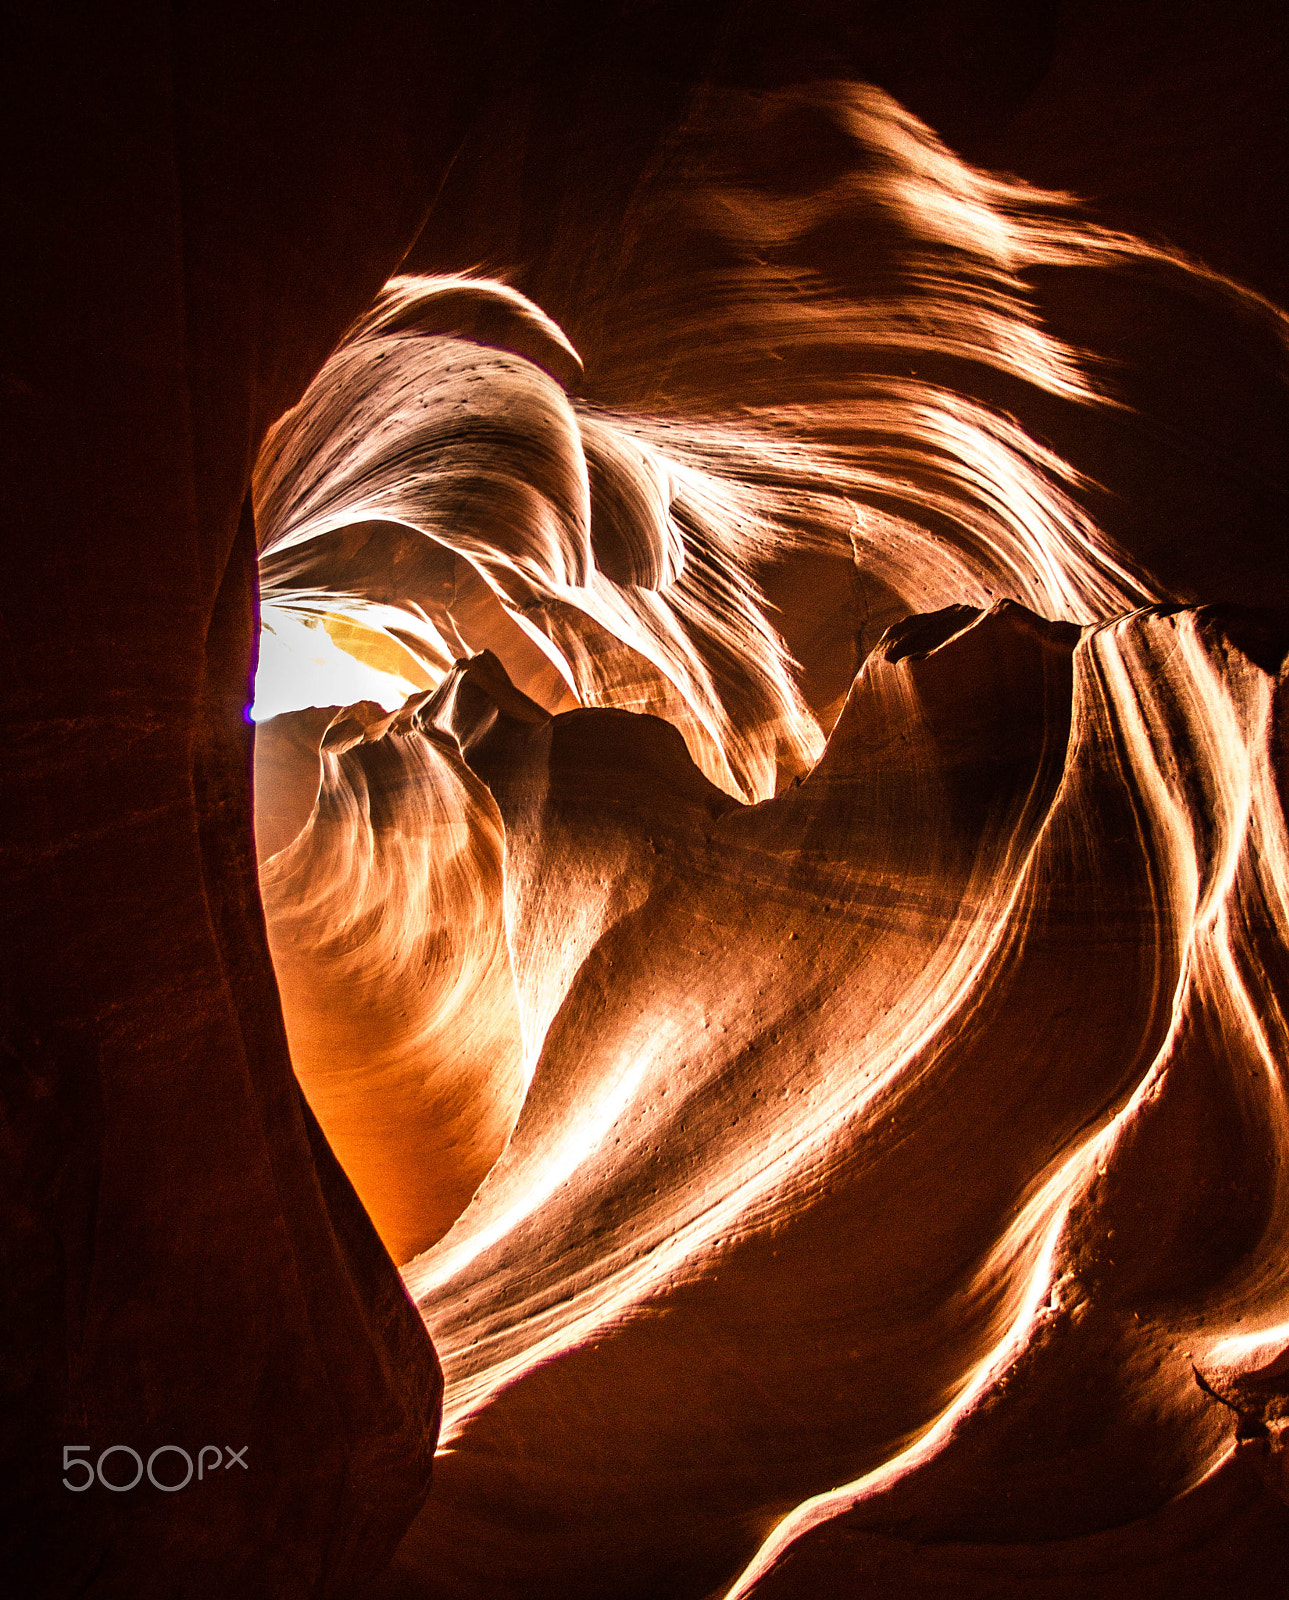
x,y
779,913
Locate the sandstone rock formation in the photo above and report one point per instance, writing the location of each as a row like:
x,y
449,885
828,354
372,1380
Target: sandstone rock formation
x,y
873,1048
768,795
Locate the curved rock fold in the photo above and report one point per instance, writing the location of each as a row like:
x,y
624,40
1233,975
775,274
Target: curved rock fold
x,y
794,962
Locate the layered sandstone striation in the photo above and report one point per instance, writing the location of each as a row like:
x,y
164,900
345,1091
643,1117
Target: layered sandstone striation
x,y
800,980
768,796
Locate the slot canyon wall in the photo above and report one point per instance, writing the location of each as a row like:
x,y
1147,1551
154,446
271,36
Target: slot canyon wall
x,y
710,1019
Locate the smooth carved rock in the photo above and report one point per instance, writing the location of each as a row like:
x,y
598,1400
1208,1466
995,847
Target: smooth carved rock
x,y
872,909
769,808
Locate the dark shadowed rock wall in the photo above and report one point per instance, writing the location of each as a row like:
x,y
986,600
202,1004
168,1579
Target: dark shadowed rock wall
x,y
198,202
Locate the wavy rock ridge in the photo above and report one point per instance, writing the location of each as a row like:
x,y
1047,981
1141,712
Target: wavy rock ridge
x,y
787,938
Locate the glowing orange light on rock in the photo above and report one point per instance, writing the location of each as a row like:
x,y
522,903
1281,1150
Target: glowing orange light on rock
x,y
653,988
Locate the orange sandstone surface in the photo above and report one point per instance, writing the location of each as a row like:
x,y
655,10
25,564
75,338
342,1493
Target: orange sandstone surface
x,y
801,986
711,1019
